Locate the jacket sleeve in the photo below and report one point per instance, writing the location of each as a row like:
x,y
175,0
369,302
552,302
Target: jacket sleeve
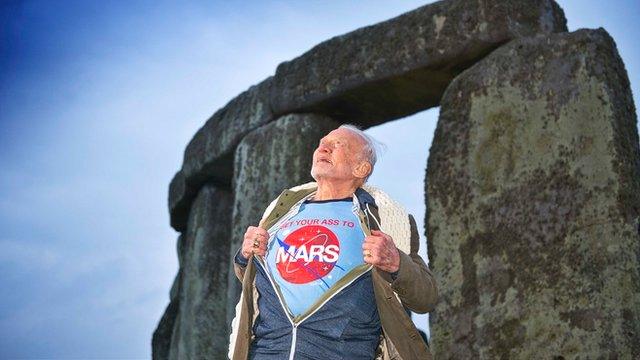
x,y
240,265
414,283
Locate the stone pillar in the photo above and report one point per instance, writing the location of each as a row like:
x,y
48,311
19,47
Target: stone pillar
x,y
199,329
533,185
161,341
268,160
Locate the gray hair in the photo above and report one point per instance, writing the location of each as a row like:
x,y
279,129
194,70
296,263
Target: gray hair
x,y
370,151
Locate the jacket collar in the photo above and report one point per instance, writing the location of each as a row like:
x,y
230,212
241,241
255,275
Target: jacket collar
x,y
365,198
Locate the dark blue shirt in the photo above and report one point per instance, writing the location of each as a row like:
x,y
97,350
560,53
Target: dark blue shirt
x,y
346,327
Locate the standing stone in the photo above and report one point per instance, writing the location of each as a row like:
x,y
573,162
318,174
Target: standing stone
x,y
269,160
161,341
534,201
200,327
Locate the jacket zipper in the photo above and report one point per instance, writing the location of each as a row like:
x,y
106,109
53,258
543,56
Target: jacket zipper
x,y
292,351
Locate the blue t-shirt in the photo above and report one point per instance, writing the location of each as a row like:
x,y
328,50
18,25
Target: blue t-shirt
x,y
313,252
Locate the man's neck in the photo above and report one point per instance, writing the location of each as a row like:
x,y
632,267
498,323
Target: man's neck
x,y
333,190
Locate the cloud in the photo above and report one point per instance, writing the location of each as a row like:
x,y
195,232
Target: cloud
x,y
27,255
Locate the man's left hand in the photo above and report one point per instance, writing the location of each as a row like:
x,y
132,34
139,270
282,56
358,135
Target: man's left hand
x,y
380,251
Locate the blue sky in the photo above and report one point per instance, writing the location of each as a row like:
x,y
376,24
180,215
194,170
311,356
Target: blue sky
x,y
97,103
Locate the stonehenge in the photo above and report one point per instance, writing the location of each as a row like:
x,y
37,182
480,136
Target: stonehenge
x,y
532,183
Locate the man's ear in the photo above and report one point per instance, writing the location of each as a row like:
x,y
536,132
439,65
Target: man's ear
x,y
362,170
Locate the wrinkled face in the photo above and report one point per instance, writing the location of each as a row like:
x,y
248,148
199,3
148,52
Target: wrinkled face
x,y
339,157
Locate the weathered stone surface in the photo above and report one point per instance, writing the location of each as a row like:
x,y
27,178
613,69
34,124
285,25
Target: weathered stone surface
x,y
403,65
177,281
270,159
161,341
180,198
534,203
209,155
199,331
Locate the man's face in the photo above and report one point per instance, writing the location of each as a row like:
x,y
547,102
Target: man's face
x,y
338,156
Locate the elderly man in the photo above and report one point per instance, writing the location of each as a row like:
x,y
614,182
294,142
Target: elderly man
x,y
332,268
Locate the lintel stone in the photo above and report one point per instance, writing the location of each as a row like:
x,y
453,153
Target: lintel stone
x,y
403,65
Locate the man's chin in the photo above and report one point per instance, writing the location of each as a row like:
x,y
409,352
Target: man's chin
x,y
318,174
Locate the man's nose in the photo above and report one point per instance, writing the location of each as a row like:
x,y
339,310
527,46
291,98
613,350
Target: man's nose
x,y
324,149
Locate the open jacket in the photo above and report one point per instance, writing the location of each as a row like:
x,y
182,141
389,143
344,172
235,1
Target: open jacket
x,y
414,286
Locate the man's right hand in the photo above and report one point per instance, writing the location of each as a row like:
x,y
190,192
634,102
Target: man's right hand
x,y
255,241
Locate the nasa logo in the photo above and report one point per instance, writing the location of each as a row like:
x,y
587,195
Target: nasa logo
x,y
307,254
